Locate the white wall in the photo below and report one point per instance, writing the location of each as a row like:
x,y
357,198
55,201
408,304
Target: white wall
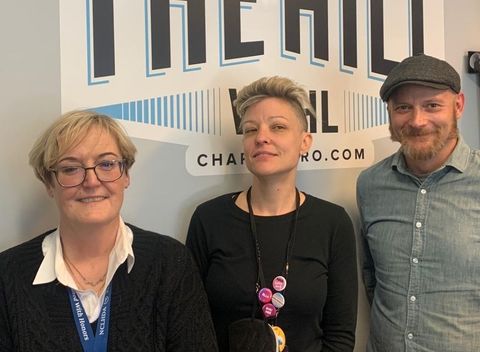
x,y
462,34
30,99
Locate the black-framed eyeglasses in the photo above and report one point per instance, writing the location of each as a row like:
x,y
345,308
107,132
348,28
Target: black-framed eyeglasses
x,y
74,175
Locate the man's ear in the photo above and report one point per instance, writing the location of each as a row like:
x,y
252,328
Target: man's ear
x,y
459,105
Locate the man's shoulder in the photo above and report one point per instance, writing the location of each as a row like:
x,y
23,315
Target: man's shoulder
x,y
379,169
475,155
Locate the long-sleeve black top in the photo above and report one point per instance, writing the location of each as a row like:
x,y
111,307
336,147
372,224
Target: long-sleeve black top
x,y
321,295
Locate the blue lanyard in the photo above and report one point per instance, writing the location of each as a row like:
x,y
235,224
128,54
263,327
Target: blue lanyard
x,y
91,343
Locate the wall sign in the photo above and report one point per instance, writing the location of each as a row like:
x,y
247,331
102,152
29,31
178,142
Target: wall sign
x,y
169,70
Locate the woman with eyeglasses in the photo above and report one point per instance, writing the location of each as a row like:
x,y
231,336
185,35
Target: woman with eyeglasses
x,y
96,283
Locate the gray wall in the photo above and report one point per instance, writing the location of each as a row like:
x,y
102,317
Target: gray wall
x,y
30,99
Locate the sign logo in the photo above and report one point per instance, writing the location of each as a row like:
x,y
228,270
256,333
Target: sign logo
x,y
170,70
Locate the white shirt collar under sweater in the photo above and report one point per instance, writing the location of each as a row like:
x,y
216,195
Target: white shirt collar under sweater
x,y
53,267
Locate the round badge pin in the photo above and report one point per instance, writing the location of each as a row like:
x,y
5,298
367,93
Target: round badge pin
x,y
265,295
269,311
278,300
280,336
279,283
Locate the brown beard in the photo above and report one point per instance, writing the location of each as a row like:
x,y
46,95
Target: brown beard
x,y
422,154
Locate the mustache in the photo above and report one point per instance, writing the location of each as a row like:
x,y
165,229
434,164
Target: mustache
x,y
409,131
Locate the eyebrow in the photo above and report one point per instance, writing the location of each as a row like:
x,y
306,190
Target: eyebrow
x,y
422,101
271,118
71,158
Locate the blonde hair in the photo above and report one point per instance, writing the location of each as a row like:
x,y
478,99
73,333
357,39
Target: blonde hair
x,y
277,87
67,132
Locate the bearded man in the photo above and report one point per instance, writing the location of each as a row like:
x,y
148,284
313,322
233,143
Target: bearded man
x,y
420,213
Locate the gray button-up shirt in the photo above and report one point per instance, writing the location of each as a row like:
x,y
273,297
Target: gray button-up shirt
x,y
421,263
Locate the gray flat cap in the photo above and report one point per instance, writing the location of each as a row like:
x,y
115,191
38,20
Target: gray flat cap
x,y
423,70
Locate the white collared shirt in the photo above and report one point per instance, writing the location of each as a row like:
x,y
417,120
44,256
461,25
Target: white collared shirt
x,y
53,267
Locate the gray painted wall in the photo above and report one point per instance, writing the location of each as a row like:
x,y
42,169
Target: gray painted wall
x,y
30,99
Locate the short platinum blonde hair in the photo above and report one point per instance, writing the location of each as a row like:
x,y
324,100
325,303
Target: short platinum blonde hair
x,y
67,132
275,87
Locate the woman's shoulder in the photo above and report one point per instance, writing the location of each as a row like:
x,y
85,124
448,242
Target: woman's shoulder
x,y
326,212
330,217
216,205
25,256
163,252
313,203
147,238
33,244
149,245
221,200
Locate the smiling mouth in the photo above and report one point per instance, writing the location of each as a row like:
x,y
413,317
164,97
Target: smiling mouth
x,y
92,199
420,138
260,154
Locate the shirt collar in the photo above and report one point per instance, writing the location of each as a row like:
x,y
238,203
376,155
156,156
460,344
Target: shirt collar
x,y
458,159
53,266
460,156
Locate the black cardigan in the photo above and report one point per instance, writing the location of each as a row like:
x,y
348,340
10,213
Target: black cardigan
x,y
159,306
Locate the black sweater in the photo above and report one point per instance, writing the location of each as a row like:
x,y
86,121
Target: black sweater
x,y
159,306
321,295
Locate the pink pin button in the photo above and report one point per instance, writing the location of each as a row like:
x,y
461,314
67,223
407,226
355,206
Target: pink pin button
x,y
265,295
269,311
279,283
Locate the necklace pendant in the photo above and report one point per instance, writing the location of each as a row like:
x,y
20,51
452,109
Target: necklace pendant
x,y
93,284
279,283
280,338
84,279
265,295
269,311
278,300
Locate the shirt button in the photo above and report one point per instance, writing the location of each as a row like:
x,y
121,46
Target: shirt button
x,y
415,260
410,336
423,191
413,298
418,224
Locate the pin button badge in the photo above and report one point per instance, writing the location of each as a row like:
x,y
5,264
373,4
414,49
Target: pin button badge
x,y
279,283
278,300
269,311
265,295
280,336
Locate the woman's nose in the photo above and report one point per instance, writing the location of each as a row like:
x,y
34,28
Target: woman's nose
x,y
91,178
263,135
